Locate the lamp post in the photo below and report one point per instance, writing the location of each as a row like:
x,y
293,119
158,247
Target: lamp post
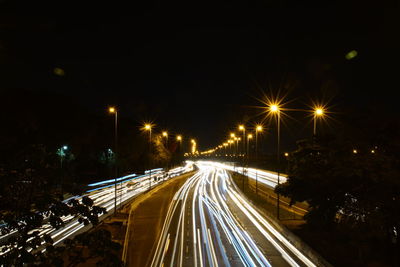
x,y
318,112
61,153
147,127
259,128
113,110
194,146
274,109
242,128
165,134
249,136
237,145
179,139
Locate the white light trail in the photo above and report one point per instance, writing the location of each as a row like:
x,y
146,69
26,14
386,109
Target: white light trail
x,y
216,218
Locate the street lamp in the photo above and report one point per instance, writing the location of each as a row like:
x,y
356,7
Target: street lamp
x,y
61,153
230,141
242,128
113,110
318,112
259,128
274,109
165,134
237,145
249,136
225,146
193,146
148,127
179,139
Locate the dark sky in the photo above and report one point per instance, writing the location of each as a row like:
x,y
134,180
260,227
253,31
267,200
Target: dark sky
x,y
196,68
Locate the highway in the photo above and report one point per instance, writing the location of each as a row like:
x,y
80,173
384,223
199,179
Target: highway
x,y
209,223
265,177
102,194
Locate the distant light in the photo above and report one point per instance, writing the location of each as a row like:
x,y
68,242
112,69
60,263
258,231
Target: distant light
x,y
355,151
179,138
259,128
59,71
319,111
372,151
111,109
274,108
241,127
250,136
147,126
232,135
165,134
352,54
65,147
286,154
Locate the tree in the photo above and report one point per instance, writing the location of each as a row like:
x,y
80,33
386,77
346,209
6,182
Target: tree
x,y
351,182
25,245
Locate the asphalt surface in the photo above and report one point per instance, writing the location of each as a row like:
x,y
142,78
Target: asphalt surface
x,y
145,222
209,223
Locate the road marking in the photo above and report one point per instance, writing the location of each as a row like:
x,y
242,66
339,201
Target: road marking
x,y
167,245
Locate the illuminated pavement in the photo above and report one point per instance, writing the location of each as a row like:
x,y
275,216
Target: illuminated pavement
x,y
210,224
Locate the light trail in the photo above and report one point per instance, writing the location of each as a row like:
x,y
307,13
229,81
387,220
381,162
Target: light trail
x,y
103,196
209,215
265,177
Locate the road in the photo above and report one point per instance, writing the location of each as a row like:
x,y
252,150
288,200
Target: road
x,y
146,218
102,194
209,223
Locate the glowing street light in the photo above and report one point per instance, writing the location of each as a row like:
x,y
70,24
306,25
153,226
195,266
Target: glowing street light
x,y
165,134
113,110
249,137
148,127
318,112
179,139
194,144
242,128
274,109
259,128
62,154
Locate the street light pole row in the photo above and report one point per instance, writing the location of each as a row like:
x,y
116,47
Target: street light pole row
x,y
147,127
273,109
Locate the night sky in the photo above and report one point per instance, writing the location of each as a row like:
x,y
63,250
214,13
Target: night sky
x,y
197,68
